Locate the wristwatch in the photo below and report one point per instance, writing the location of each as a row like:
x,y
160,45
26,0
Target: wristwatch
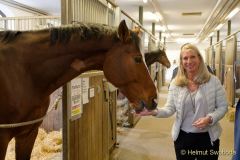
x,y
210,119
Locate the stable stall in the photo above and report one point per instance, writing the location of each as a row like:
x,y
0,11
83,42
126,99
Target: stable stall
x,y
218,60
230,56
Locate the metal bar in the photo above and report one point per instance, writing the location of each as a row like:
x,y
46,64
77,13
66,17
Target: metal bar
x,y
23,7
227,37
229,28
141,15
152,36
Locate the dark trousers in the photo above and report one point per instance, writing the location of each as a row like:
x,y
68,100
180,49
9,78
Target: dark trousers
x,y
196,146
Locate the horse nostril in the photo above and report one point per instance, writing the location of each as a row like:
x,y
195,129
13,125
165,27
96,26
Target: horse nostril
x,y
154,103
140,107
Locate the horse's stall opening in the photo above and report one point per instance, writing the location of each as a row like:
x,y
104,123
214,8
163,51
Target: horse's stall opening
x,y
211,58
218,64
229,84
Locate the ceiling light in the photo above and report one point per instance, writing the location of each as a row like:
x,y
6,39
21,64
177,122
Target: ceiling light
x,y
160,28
219,27
231,14
191,13
145,1
188,34
211,34
167,35
110,6
158,16
149,16
185,40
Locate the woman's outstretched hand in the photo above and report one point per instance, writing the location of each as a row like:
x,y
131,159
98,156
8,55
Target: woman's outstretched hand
x,y
146,112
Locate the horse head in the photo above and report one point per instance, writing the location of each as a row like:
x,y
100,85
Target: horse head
x,y
124,68
157,56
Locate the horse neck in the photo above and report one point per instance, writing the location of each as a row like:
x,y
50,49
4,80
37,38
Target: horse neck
x,y
54,66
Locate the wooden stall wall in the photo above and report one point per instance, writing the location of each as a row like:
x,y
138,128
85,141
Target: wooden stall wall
x,y
230,56
92,136
237,73
222,59
88,138
211,58
218,61
109,119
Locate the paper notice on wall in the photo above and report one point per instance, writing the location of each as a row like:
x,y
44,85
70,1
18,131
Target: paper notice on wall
x,y
85,87
91,92
76,98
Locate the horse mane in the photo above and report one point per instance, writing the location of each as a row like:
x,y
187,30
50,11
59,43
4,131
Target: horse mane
x,y
84,31
63,34
87,31
8,36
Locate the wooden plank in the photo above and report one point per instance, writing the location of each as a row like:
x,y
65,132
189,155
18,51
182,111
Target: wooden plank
x,y
229,84
105,126
100,101
90,138
72,140
76,139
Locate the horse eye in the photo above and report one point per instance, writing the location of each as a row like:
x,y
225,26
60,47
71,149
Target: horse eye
x,y
138,59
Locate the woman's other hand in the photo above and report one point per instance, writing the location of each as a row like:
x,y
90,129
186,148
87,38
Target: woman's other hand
x,y
202,122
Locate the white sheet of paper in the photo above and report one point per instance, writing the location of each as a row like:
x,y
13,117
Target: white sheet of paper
x,y
91,92
85,86
76,98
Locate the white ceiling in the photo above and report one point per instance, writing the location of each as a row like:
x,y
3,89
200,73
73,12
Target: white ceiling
x,y
53,7
171,11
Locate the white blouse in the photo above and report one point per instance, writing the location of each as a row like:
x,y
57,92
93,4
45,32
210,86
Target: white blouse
x,y
195,107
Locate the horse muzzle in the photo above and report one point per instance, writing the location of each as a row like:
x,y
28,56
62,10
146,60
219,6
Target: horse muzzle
x,y
149,106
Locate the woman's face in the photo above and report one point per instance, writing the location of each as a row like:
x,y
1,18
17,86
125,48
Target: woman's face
x,y
190,61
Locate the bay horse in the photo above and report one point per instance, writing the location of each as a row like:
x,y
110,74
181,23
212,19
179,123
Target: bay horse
x,y
33,64
157,55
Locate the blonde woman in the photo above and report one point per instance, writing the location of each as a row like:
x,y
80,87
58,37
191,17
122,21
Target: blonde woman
x,y
199,101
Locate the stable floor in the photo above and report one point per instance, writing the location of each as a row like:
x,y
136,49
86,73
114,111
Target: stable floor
x,y
151,139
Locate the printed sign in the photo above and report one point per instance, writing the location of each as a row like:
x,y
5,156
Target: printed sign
x,y
76,98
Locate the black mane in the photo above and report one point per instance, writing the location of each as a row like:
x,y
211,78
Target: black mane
x,y
8,36
85,31
64,33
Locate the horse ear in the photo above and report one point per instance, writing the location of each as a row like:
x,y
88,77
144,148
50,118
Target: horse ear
x,y
123,32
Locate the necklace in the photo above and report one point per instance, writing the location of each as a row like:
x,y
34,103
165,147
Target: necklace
x,y
193,101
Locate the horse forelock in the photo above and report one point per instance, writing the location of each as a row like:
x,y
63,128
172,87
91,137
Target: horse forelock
x,y
135,38
9,36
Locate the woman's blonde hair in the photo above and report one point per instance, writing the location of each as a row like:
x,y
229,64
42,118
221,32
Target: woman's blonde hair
x,y
203,75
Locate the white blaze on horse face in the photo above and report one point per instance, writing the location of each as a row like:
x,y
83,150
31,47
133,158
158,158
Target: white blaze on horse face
x,y
78,64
